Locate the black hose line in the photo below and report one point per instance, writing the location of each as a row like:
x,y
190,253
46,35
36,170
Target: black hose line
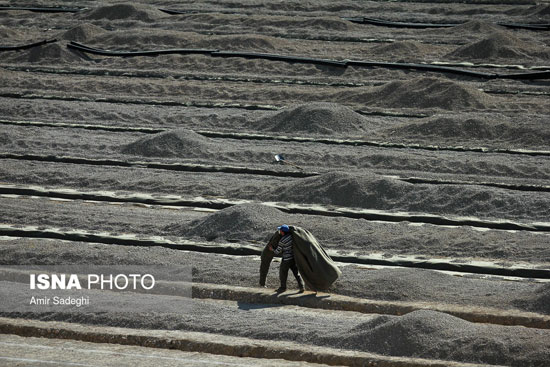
x,y
387,23
315,61
24,47
43,9
97,51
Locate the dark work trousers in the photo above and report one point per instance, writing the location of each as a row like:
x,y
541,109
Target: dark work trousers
x,y
283,273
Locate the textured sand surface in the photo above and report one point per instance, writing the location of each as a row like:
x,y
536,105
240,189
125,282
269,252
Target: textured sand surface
x,y
200,126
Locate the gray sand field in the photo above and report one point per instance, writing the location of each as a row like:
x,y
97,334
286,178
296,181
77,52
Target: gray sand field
x,y
380,162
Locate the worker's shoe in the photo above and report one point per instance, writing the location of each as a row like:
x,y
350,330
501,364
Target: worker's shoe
x,y
301,290
280,290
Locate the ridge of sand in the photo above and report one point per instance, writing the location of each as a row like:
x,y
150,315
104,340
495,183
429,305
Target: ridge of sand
x,y
458,127
173,143
425,92
475,26
499,44
344,189
315,118
145,13
243,221
387,193
51,52
424,332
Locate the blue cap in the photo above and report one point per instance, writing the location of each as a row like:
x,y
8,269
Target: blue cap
x,y
284,228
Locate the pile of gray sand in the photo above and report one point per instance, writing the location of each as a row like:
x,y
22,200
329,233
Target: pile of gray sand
x,y
144,13
51,52
476,27
174,143
499,45
430,334
431,92
245,222
314,118
344,189
420,93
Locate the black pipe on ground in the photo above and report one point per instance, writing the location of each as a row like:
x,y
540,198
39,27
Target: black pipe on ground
x,y
27,46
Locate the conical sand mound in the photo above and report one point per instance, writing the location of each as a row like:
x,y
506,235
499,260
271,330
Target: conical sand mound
x,y
125,11
314,118
474,26
245,222
343,189
175,143
496,45
82,33
428,93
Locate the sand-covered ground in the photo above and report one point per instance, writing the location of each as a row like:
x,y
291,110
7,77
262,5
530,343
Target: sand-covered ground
x,y
385,161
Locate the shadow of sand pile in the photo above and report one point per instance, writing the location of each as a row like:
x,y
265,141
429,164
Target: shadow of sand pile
x,y
422,93
125,11
500,45
240,222
174,143
391,194
431,334
83,33
314,118
49,53
463,130
537,301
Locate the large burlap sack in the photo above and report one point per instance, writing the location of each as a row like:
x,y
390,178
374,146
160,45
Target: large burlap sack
x,y
315,265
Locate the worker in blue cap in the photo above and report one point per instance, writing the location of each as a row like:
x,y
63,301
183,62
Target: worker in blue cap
x,y
285,247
